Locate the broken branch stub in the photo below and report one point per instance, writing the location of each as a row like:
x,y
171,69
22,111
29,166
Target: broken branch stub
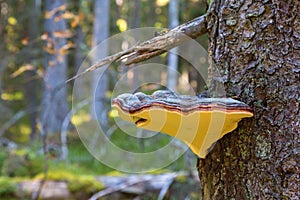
x,y
155,46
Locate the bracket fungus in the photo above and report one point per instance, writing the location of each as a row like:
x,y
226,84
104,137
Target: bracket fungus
x,y
199,122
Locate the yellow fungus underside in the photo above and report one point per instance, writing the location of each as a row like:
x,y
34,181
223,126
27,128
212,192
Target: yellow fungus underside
x,y
198,129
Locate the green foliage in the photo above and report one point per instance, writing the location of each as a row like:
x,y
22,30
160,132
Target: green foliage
x,y
85,183
15,164
8,187
3,156
21,163
140,145
181,179
56,175
81,161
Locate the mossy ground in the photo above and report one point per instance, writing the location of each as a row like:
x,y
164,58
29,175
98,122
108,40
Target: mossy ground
x,y
8,187
79,171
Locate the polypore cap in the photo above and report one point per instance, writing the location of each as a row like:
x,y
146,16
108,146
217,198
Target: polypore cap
x,y
199,122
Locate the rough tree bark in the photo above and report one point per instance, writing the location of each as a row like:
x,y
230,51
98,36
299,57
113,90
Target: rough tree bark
x,y
256,47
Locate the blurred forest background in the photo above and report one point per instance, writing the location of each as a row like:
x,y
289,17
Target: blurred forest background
x,y
43,43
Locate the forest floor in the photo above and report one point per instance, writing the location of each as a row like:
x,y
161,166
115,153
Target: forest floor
x,y
173,185
81,176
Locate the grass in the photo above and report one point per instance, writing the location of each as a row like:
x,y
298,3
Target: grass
x,y
8,187
28,161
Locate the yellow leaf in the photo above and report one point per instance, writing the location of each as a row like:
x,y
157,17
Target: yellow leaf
x,y
22,69
64,49
81,15
44,36
25,41
51,63
49,49
161,3
51,13
122,24
12,21
12,96
68,15
113,113
75,22
62,34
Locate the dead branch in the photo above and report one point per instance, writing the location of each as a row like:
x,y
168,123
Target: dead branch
x,y
166,187
118,187
155,46
147,182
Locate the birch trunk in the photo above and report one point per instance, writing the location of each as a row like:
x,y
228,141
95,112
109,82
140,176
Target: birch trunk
x,y
172,56
100,84
54,100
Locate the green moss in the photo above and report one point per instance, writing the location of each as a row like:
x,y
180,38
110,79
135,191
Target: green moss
x,y
21,163
159,171
3,156
8,187
85,183
57,175
115,173
76,182
181,179
14,165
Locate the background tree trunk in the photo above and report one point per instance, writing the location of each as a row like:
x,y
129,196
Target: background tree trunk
x,y
3,51
100,86
136,24
79,52
31,77
172,56
256,47
54,102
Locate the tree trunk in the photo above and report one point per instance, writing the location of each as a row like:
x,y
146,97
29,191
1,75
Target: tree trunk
x,y
99,86
79,55
3,51
172,56
31,81
54,102
136,24
256,47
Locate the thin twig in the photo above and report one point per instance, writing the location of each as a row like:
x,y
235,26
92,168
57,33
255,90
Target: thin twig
x,y
119,187
36,195
155,46
64,128
166,187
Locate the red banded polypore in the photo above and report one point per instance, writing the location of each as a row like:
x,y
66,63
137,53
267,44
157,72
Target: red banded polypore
x,y
199,122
